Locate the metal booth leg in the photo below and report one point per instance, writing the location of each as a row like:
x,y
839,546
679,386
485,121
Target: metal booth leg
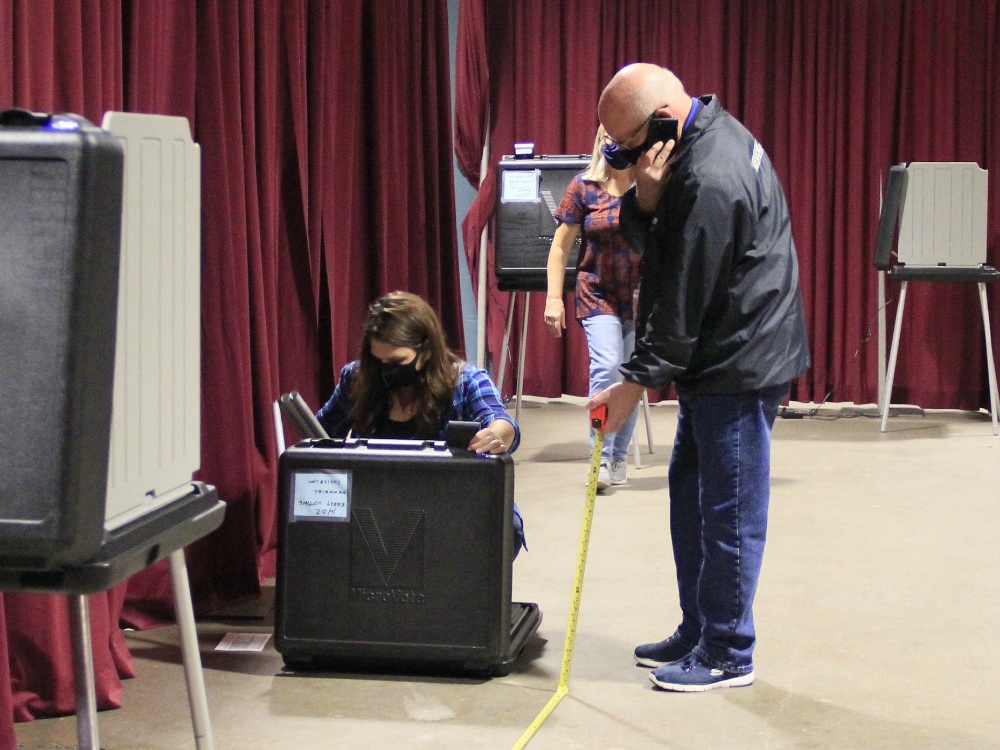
x,y
520,358
501,369
83,663
891,369
192,656
649,426
991,367
83,674
649,432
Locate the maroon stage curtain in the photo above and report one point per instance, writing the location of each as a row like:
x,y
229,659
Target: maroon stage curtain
x,y
326,149
836,91
7,739
472,79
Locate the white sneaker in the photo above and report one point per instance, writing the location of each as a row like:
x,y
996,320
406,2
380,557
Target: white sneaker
x,y
603,477
619,471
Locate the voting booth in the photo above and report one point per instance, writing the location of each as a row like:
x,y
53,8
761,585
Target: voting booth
x,y
100,252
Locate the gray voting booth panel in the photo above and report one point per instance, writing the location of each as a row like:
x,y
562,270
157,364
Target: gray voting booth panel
x,y
156,419
60,215
396,555
943,222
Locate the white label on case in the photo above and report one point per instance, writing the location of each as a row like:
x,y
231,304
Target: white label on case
x,y
321,495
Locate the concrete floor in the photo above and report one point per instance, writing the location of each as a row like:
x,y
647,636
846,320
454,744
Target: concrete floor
x,y
878,615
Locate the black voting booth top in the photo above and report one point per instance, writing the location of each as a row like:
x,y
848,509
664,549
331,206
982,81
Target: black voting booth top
x,y
528,194
61,181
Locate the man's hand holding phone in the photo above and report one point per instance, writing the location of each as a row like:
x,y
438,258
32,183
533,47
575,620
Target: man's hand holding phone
x,y
652,168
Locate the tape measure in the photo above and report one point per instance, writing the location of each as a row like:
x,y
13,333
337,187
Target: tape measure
x,y
598,418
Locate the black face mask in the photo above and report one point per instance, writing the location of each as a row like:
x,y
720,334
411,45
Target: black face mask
x,y
621,158
396,376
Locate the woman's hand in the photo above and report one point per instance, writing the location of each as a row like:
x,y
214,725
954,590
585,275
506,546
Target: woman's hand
x,y
555,315
493,439
555,276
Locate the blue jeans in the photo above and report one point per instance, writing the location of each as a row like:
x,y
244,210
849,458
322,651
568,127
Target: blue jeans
x,y
610,342
719,479
518,540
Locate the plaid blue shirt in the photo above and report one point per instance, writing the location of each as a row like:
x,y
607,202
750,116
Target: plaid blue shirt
x,y
476,399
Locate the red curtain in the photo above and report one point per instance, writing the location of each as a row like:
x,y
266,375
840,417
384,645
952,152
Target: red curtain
x,y
836,91
7,739
325,135
472,78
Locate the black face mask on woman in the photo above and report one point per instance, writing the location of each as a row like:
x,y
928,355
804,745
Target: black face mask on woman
x,y
396,376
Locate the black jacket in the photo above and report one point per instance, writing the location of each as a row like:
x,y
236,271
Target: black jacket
x,y
719,289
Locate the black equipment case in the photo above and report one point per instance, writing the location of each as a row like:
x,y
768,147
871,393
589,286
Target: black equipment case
x,y
60,230
396,554
528,193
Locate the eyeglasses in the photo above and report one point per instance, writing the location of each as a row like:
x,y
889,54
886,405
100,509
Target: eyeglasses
x,y
621,143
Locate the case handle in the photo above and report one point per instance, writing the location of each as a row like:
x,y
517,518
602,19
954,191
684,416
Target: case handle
x,y
23,118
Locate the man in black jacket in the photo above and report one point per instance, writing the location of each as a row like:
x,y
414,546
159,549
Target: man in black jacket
x,y
720,315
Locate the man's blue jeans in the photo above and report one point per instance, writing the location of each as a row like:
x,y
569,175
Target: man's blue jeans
x,y
719,479
610,342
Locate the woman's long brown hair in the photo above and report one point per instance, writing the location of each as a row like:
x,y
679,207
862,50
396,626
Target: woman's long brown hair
x,y
404,319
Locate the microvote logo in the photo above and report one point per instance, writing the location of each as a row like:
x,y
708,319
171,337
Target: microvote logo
x,y
387,556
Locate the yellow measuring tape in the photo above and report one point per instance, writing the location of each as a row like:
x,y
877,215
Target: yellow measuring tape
x,y
598,417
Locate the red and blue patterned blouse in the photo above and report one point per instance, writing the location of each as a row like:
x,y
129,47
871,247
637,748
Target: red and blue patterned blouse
x,y
607,272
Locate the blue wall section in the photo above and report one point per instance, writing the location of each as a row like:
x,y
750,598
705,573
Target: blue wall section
x,y
464,195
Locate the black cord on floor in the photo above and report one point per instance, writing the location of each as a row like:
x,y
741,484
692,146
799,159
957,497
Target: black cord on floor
x,y
788,413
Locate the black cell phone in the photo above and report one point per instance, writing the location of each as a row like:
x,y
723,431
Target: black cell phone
x,y
458,435
661,129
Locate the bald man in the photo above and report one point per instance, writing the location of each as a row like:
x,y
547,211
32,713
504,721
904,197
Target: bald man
x,y
720,316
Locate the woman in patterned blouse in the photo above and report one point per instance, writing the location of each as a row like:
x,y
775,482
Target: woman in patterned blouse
x,y
607,275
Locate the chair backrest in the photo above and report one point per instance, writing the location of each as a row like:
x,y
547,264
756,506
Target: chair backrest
x,y
297,411
294,408
888,220
943,222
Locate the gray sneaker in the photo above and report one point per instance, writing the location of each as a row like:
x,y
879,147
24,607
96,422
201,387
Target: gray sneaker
x,y
619,471
603,477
